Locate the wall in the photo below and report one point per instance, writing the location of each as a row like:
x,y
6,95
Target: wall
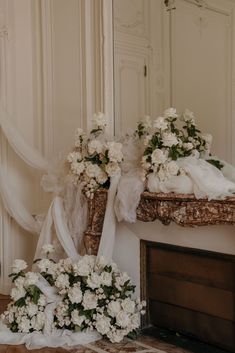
x,y
198,47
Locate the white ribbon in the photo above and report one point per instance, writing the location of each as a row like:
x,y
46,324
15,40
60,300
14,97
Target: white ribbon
x,y
109,227
56,216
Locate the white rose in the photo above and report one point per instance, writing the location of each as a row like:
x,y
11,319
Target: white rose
x,y
44,265
101,177
99,120
74,157
17,293
113,308
153,183
89,300
128,305
121,280
160,123
31,278
106,279
75,294
62,281
92,170
117,335
170,113
103,324
77,167
18,266
172,168
123,319
101,262
115,151
32,309
169,139
188,146
158,156
48,249
189,116
24,325
77,319
112,169
82,268
146,122
19,281
135,321
93,281
95,146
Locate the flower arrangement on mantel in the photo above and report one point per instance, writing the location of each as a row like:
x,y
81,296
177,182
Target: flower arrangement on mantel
x,y
166,141
94,160
93,295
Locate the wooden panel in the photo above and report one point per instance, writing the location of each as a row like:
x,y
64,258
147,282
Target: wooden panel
x,y
197,268
207,328
213,301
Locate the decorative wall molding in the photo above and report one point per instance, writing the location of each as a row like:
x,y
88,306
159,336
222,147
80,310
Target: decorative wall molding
x,y
47,76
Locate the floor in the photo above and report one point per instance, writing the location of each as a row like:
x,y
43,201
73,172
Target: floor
x,y
152,340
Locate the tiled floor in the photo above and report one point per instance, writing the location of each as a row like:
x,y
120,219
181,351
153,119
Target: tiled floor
x,y
144,344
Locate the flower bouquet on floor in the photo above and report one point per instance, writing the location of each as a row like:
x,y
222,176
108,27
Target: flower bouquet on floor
x,y
94,160
92,294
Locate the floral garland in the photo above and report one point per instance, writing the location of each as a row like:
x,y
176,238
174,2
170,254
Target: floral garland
x,y
165,142
94,295
94,160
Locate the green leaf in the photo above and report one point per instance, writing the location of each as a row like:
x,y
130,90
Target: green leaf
x,y
20,302
215,163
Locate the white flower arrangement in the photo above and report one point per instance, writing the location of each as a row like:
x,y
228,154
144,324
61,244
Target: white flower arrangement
x,y
165,142
94,160
95,295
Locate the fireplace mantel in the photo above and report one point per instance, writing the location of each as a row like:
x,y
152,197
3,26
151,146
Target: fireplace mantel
x,y
184,210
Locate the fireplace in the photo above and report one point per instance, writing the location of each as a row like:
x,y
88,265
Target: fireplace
x,y
190,291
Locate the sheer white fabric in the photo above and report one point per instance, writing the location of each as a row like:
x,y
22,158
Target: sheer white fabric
x,y
14,207
27,153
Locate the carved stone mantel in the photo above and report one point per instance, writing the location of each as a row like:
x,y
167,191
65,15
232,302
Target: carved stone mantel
x,y
184,210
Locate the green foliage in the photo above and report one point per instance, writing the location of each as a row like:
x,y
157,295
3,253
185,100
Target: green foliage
x,y
215,163
34,293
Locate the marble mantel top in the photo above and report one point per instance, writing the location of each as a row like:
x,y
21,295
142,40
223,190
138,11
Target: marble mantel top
x,y
184,210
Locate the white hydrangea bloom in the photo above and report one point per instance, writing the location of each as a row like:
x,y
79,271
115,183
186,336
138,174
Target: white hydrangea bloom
x,y
112,169
172,168
99,120
146,122
31,278
189,116
32,309
62,281
116,336
89,300
18,266
75,294
170,113
74,157
77,319
44,265
123,319
94,280
114,307
106,278
169,139
160,123
48,249
24,324
158,156
17,293
188,146
77,167
128,305
115,151
95,146
103,324
92,170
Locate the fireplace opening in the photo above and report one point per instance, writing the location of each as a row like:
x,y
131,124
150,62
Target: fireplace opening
x,y
190,291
